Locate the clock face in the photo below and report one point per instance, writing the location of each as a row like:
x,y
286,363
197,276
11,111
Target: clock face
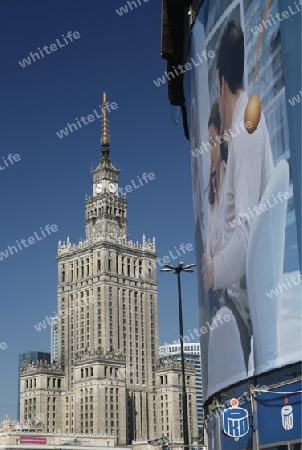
x,y
98,187
111,187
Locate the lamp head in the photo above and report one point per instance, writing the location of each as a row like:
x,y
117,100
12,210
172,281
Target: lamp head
x,y
190,266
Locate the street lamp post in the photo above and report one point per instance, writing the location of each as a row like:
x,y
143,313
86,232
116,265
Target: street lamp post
x,y
177,270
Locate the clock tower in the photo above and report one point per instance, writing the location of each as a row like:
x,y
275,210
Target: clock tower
x,y
106,212
107,326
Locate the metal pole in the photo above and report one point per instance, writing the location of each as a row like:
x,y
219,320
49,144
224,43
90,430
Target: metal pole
x,y
184,392
255,434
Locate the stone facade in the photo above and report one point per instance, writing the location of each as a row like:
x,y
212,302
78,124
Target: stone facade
x,y
191,352
54,339
41,399
107,324
169,399
106,380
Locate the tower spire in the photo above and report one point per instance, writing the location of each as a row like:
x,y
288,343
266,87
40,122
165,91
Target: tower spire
x,y
105,140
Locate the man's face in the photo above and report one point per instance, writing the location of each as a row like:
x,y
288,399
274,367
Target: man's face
x,y
215,149
221,101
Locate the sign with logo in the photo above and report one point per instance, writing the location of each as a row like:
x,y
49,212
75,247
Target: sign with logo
x,y
287,416
32,440
279,415
235,420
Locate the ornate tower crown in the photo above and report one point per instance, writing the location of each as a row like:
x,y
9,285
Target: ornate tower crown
x,y
106,212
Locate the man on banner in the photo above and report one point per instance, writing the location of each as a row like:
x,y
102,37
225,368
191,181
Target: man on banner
x,y
248,170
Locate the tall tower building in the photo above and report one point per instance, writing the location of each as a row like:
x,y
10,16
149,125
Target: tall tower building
x,y
107,322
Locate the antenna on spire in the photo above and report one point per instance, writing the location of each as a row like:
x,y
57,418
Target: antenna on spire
x,y
105,141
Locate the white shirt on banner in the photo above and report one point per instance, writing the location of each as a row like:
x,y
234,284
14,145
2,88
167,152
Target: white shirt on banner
x,y
248,170
215,221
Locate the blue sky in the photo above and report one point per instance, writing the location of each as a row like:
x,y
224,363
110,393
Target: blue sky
x,y
119,54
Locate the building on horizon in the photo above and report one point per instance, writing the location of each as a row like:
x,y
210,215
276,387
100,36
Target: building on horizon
x,y
28,434
169,399
107,325
192,353
54,338
28,358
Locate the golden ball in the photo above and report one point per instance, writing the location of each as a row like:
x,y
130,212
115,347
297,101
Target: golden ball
x,y
252,113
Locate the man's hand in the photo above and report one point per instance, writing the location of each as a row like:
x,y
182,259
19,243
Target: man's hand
x,y
208,273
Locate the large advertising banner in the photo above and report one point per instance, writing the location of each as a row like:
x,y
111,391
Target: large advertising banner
x,y
236,426
245,223
280,415
32,440
76,441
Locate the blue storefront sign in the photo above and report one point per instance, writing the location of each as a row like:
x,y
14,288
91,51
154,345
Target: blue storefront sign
x,y
235,420
236,432
279,414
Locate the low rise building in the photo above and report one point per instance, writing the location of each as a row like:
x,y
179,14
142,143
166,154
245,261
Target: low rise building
x,y
169,399
191,352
